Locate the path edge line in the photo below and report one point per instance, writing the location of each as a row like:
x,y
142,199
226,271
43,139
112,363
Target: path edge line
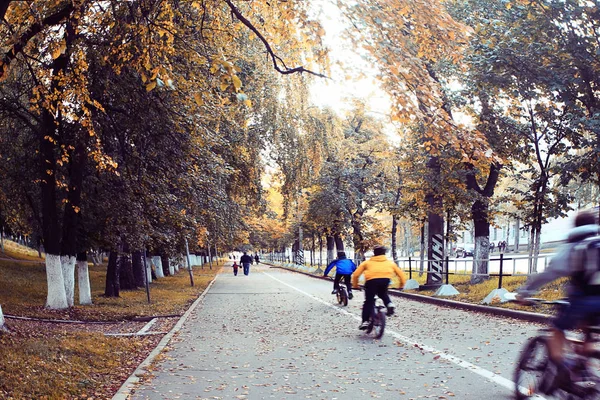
x,y
126,388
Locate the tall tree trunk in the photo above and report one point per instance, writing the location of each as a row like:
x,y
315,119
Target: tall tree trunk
x,y
165,264
394,233
83,279
68,272
330,248
126,276
49,139
481,220
479,211
158,269
137,264
320,249
112,275
517,234
422,249
71,227
357,236
339,243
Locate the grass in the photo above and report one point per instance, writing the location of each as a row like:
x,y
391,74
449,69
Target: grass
x,y
51,361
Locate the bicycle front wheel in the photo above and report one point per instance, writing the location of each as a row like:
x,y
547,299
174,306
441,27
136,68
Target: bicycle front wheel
x,y
531,367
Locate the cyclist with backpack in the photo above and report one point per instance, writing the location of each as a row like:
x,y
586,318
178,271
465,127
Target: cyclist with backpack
x,y
579,260
378,272
343,270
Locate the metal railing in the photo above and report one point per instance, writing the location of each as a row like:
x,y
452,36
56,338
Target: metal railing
x,y
497,267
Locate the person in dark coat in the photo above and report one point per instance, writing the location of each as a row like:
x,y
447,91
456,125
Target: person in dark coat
x,y
256,259
246,260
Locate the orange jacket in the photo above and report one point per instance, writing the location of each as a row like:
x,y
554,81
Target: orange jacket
x,y
378,267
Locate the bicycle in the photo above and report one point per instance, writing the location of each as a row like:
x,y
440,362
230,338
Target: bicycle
x,y
532,366
377,320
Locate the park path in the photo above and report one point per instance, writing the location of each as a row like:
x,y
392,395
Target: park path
x,y
277,334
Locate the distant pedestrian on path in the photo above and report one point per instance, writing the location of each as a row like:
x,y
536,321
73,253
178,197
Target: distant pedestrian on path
x,y
256,258
492,245
246,260
235,268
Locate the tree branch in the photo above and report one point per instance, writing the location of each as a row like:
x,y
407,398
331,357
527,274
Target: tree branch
x,y
270,51
36,28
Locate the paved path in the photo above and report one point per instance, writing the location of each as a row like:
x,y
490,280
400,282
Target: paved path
x,y
277,334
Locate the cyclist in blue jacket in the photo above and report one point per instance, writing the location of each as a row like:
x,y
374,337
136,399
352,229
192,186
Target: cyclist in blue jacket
x,y
343,269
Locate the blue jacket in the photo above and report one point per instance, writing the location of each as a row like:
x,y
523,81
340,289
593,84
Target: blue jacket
x,y
343,266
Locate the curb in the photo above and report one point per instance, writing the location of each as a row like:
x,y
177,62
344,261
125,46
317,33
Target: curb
x,y
126,388
504,312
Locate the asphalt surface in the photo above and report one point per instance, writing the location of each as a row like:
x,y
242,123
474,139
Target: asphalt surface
x,y
277,334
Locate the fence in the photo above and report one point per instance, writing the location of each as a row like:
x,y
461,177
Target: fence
x,y
501,267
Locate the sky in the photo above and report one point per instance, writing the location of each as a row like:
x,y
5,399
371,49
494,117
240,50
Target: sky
x,y
336,92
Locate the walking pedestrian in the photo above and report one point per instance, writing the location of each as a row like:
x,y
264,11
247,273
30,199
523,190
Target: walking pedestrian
x,y
246,260
256,259
235,268
492,247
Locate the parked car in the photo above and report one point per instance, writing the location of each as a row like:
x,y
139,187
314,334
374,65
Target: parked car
x,y
465,250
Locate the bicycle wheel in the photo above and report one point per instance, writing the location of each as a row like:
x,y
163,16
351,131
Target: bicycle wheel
x,y
531,367
343,296
338,296
379,323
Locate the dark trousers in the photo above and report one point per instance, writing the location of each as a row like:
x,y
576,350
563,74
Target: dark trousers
x,y
235,269
246,268
347,281
379,287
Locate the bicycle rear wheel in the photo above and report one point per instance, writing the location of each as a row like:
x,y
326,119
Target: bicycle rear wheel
x,y
531,367
343,294
378,323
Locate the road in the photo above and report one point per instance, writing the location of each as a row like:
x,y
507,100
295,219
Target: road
x,y
277,334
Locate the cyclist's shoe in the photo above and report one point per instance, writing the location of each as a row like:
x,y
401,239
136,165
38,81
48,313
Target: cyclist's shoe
x,y
350,296
390,309
334,291
364,325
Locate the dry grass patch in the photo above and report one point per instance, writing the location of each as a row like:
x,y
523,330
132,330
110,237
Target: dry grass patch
x,y
23,292
55,365
57,361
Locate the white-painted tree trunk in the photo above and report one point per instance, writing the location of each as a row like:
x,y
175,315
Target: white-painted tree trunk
x,y
2,323
57,296
172,267
158,267
68,270
481,256
83,282
148,265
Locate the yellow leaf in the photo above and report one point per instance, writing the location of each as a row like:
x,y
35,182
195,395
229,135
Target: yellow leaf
x,y
237,83
224,85
248,103
56,53
508,6
198,98
150,86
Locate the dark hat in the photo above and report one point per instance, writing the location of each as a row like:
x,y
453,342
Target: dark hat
x,y
379,250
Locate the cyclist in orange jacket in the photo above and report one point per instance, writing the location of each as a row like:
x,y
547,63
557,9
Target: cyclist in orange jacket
x,y
378,272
